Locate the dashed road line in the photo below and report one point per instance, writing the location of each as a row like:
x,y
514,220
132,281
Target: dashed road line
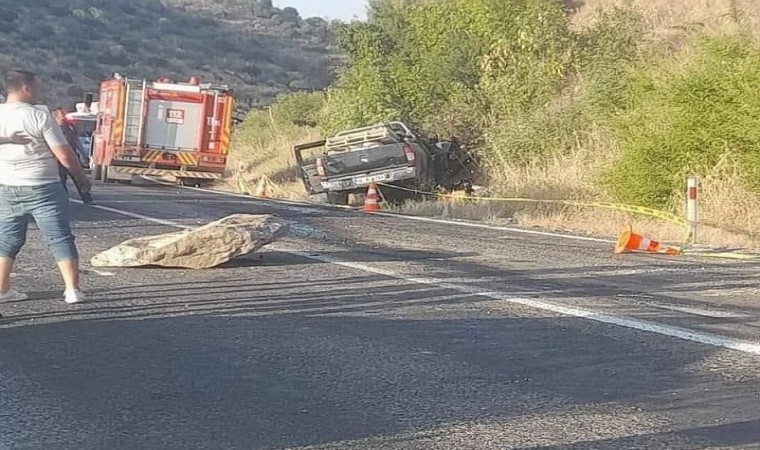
x,y
686,334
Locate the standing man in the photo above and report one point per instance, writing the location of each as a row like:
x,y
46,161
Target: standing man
x,y
70,133
30,187
71,137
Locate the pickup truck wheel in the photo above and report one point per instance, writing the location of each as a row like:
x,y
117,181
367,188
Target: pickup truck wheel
x,y
337,198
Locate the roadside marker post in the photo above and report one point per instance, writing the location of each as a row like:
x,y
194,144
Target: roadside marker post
x,y
692,207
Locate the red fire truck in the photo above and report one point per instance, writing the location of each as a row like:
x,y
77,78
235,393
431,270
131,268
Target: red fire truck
x,y
162,128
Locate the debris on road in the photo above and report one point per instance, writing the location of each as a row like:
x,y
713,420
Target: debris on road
x,y
207,246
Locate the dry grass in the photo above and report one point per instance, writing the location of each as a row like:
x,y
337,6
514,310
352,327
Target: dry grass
x,y
607,223
728,208
573,176
664,15
731,211
728,211
562,176
272,158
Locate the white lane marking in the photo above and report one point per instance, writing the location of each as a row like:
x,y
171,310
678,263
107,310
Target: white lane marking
x,y
174,200
301,205
497,228
287,205
607,273
168,223
610,319
714,313
686,334
98,272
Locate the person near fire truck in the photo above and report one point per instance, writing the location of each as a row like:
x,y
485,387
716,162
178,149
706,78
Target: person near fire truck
x,y
70,133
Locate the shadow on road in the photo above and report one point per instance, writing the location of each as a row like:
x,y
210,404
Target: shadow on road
x,y
211,381
246,286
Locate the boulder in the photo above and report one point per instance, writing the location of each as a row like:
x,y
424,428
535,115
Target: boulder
x,y
200,248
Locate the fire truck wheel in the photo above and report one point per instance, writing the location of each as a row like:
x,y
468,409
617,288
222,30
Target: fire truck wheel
x,y
104,176
190,182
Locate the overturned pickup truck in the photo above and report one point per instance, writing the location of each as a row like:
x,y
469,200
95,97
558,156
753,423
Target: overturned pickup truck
x,y
389,153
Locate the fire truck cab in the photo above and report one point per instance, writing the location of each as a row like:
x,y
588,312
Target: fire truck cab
x,y
162,128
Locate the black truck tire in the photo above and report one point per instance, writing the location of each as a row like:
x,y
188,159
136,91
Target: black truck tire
x,y
337,198
190,182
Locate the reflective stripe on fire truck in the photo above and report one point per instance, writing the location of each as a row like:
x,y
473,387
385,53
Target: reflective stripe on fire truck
x,y
184,158
226,127
118,115
162,172
188,159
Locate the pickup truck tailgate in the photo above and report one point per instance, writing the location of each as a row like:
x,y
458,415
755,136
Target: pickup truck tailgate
x,y
365,160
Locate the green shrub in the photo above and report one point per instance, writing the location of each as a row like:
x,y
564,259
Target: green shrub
x,y
564,84
685,114
300,108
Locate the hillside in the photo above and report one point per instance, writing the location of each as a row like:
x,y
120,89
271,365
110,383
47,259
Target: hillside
x,y
614,101
258,49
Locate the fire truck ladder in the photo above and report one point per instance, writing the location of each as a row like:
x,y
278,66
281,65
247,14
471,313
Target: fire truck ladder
x,y
133,115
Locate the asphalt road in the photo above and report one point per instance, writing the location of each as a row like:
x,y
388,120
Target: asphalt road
x,y
377,332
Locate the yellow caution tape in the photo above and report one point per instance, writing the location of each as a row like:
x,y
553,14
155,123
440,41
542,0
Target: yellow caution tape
x,y
666,216
727,255
641,210
245,189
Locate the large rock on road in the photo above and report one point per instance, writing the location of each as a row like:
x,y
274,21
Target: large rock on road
x,y
207,246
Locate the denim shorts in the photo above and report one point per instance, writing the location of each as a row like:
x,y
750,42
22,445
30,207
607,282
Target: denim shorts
x,y
48,205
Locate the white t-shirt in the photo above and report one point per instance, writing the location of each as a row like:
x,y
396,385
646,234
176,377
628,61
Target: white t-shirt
x,y
32,164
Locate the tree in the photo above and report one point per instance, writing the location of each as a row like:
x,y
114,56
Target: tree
x,y
417,58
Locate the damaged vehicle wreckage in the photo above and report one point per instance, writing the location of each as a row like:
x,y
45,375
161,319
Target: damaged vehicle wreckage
x,y
391,154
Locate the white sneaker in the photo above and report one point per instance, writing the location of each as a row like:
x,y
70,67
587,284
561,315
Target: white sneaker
x,y
73,296
12,296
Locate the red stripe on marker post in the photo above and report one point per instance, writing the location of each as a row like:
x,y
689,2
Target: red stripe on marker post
x,y
692,207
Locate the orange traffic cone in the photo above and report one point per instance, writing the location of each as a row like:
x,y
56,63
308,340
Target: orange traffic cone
x,y
630,242
371,199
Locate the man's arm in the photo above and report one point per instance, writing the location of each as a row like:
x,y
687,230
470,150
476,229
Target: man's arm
x,y
56,141
73,139
18,138
65,155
